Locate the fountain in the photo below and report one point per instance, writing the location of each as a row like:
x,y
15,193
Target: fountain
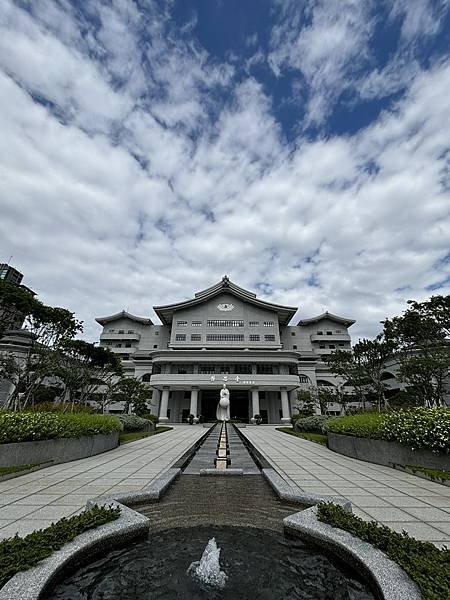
x,y
207,570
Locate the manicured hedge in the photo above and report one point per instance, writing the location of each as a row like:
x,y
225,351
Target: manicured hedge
x,y
19,554
418,428
133,422
28,427
426,564
314,423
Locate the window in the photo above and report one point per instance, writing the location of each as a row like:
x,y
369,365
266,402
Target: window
x,y
294,347
253,323
332,346
224,323
264,369
118,345
322,346
329,333
196,337
269,338
268,324
128,345
341,344
292,332
254,337
146,377
243,369
131,331
110,330
196,323
319,332
224,369
338,330
182,323
156,332
180,337
155,345
303,378
121,331
206,369
225,337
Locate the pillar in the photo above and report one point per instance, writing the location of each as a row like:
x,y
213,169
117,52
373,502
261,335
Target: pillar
x,y
156,399
194,398
164,405
255,402
286,418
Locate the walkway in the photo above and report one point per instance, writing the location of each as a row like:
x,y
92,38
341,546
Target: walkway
x,y
399,500
36,500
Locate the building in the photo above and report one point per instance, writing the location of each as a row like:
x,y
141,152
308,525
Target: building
x,y
13,319
225,334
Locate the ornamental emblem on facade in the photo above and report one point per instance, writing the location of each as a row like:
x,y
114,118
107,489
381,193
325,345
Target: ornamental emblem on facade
x,y
225,306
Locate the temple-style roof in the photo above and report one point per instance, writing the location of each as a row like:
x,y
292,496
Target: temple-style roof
x,y
123,315
165,313
327,315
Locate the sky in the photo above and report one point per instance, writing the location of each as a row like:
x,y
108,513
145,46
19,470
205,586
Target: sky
x,y
301,147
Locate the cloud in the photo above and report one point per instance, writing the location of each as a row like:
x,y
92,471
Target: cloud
x,y
138,169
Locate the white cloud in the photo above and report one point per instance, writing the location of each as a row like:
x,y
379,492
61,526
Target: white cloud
x,y
122,205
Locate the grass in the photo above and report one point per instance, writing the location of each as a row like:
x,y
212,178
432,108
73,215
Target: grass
x,y
319,438
18,468
19,554
426,564
133,436
432,473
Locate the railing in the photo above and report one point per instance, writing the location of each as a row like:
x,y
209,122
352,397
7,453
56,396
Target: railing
x,y
216,380
120,336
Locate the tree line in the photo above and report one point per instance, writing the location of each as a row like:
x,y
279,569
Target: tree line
x,y
55,363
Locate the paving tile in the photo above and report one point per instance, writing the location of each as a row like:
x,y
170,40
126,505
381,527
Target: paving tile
x,y
15,512
23,527
421,531
407,501
369,501
52,512
445,526
429,513
38,499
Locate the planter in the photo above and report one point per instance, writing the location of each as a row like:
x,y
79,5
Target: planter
x,y
385,453
58,450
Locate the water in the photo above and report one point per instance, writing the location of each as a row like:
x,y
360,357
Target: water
x,y
260,565
206,571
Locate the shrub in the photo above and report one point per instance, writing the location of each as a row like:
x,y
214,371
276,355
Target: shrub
x,y
426,564
313,424
28,427
19,554
150,417
61,407
418,428
133,423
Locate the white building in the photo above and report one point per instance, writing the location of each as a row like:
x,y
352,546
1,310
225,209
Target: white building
x,y
225,334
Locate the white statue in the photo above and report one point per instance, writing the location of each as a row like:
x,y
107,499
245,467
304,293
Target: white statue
x,y
223,408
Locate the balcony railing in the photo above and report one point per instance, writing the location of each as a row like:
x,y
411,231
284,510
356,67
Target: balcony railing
x,y
216,380
120,336
335,337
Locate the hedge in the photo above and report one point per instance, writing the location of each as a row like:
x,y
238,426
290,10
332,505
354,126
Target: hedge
x,y
426,564
28,427
314,423
418,428
19,554
133,422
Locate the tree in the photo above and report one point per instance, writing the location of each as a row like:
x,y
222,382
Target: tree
x,y
16,303
133,393
421,338
349,366
305,402
87,371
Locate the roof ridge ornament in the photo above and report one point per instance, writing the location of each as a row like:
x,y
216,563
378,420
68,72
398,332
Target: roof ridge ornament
x,y
225,281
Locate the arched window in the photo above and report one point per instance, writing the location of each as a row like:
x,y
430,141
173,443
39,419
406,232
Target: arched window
x,y
323,382
304,379
146,378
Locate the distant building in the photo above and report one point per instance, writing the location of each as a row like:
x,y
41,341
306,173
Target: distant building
x,y
226,334
14,320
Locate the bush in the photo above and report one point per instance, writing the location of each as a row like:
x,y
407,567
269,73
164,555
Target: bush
x,y
312,424
19,554
426,564
61,407
134,423
28,427
418,428
150,417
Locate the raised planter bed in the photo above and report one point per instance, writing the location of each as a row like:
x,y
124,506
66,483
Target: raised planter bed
x,y
385,453
58,450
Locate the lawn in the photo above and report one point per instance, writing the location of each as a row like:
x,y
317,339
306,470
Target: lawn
x,y
133,436
318,438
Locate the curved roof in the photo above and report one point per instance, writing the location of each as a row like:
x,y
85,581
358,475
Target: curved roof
x,y
165,312
123,315
327,315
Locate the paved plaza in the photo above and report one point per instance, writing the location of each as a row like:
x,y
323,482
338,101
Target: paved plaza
x,y
399,500
36,500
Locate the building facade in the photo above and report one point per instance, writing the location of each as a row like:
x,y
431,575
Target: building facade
x,y
225,334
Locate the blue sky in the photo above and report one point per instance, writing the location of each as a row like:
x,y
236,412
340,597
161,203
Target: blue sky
x,y
301,147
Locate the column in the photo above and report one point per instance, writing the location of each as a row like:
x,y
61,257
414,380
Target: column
x,y
286,418
156,399
255,402
194,398
164,405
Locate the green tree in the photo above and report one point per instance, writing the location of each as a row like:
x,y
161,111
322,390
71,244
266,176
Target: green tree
x,y
421,338
133,393
15,303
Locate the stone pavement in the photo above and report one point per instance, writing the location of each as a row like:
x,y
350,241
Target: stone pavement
x,y
36,500
396,499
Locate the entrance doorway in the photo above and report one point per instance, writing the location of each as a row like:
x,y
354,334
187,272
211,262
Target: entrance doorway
x,y
239,405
